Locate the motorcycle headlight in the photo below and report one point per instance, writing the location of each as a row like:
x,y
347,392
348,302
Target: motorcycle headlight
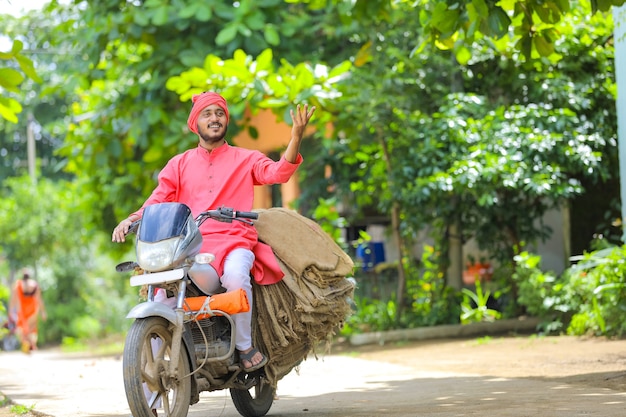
x,y
157,256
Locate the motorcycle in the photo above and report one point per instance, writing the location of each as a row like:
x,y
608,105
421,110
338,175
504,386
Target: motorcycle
x,y
184,344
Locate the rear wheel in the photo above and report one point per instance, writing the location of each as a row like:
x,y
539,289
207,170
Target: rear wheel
x,y
256,401
147,356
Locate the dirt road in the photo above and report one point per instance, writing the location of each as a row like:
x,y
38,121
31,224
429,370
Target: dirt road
x,y
511,376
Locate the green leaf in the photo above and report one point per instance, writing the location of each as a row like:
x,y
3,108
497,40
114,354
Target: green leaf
x,y
542,45
444,19
160,16
340,69
255,21
604,5
264,61
271,103
204,13
227,34
463,55
27,66
498,22
253,132
271,35
548,12
10,79
480,7
9,108
240,58
244,30
154,153
141,18
189,10
17,47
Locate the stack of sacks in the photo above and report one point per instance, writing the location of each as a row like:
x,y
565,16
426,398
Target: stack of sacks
x,y
310,304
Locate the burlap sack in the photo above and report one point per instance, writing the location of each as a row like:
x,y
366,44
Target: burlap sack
x,y
310,304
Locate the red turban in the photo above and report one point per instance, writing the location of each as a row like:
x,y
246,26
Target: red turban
x,y
201,102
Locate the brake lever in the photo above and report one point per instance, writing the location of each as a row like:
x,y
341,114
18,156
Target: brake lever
x,y
246,221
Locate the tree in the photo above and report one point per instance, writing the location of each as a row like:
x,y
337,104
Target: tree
x,y
531,27
39,109
117,56
11,78
44,225
516,143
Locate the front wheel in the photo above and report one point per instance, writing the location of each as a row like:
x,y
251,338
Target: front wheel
x,y
255,402
148,384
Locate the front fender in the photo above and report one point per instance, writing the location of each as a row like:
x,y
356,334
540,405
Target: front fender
x,y
150,309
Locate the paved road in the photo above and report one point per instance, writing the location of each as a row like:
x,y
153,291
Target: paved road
x,y
64,385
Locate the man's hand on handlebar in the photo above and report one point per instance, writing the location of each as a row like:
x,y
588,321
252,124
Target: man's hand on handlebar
x,y
120,232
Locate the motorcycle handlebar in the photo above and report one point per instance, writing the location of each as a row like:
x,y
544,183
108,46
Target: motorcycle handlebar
x,y
134,226
223,214
248,215
227,214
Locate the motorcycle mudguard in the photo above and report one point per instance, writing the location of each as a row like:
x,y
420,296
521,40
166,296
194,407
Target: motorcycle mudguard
x,y
151,308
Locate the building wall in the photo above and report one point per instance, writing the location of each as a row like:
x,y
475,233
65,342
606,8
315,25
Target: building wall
x,y
274,136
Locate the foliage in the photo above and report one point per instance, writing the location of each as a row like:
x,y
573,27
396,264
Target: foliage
x,y
11,78
124,125
5,293
597,283
535,286
512,165
526,28
495,158
371,315
474,306
88,299
534,28
432,302
20,409
588,298
329,219
39,106
43,226
35,220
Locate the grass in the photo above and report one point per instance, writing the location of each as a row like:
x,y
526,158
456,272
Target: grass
x,y
10,409
21,409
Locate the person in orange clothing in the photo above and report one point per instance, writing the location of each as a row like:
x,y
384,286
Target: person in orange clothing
x,y
27,305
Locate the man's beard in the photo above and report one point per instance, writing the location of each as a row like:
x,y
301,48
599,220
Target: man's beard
x,y
213,139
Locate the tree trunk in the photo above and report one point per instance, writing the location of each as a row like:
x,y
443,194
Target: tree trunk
x,y
397,235
455,253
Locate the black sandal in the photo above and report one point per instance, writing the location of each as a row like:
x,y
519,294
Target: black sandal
x,y
248,357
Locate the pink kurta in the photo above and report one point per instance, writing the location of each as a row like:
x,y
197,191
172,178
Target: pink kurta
x,y
226,176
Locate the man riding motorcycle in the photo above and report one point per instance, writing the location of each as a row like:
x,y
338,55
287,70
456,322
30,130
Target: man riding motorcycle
x,y
216,174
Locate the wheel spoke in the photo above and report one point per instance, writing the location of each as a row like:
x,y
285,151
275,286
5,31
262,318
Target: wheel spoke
x,y
150,378
162,348
166,403
153,399
146,355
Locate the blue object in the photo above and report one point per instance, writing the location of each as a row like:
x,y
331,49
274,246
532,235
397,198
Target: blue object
x,y
370,254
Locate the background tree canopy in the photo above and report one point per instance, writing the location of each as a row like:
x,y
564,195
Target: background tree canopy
x,y
463,117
